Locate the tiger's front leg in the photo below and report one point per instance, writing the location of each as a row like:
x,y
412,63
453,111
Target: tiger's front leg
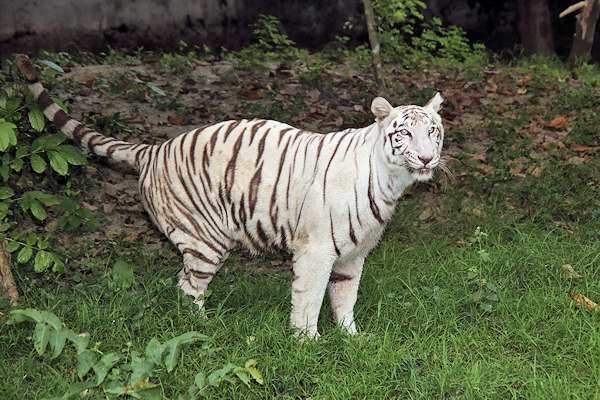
x,y
311,274
343,291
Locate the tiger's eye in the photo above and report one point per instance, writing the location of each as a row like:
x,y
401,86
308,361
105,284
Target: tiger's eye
x,y
405,132
431,130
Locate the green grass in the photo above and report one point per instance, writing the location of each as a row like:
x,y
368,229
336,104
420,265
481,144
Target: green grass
x,y
423,335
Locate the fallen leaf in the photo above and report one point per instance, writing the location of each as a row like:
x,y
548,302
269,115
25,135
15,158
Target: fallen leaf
x,y
537,118
557,123
90,171
569,271
506,92
524,80
485,168
425,214
333,121
312,96
284,71
133,237
176,119
575,160
537,171
88,79
333,74
290,89
250,95
133,118
490,86
583,302
89,206
583,147
478,157
358,108
517,172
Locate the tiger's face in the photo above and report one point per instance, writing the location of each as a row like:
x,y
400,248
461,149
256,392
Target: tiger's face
x,y
413,135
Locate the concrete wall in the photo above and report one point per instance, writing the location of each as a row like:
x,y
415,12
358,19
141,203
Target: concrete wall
x,y
30,25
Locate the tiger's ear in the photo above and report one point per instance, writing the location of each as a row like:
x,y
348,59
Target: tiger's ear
x,y
435,103
381,108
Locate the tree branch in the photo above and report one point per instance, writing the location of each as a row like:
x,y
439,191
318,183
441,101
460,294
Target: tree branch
x,y
585,27
8,286
375,47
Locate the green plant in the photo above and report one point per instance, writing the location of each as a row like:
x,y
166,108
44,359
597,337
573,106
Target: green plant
x,y
109,124
203,384
272,44
450,44
76,216
115,373
407,37
485,294
30,161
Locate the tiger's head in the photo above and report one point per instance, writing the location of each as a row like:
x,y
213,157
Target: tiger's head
x,y
413,135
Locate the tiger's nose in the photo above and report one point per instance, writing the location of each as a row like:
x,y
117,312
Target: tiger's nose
x,y
425,160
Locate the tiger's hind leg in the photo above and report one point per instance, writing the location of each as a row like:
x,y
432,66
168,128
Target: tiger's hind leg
x,y
343,291
201,264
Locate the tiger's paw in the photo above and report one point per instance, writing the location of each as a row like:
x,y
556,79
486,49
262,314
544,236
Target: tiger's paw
x,y
303,334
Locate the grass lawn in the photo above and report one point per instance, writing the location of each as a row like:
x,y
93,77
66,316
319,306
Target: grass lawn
x,y
466,296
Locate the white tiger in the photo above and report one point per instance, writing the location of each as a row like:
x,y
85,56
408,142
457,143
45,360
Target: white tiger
x,y
265,184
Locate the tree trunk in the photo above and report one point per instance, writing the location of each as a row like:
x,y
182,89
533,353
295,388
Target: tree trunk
x,y
535,27
584,32
375,47
8,287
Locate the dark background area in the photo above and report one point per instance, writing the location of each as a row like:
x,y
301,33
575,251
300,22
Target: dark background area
x,y
71,25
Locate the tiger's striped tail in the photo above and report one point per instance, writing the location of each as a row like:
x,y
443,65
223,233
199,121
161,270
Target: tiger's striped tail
x,y
129,153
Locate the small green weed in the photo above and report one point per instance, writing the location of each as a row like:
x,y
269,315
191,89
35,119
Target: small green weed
x,y
108,125
485,294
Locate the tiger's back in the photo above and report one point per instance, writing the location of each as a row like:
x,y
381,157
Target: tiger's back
x,y
249,181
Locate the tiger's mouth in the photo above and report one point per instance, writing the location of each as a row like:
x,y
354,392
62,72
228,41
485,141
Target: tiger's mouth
x,y
420,173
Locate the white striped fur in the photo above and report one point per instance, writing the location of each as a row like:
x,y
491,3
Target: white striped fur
x,y
265,184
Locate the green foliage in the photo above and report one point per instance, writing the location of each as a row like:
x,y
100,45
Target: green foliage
x,y
108,124
406,37
75,216
485,291
448,44
399,17
31,157
229,373
127,372
271,45
123,274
